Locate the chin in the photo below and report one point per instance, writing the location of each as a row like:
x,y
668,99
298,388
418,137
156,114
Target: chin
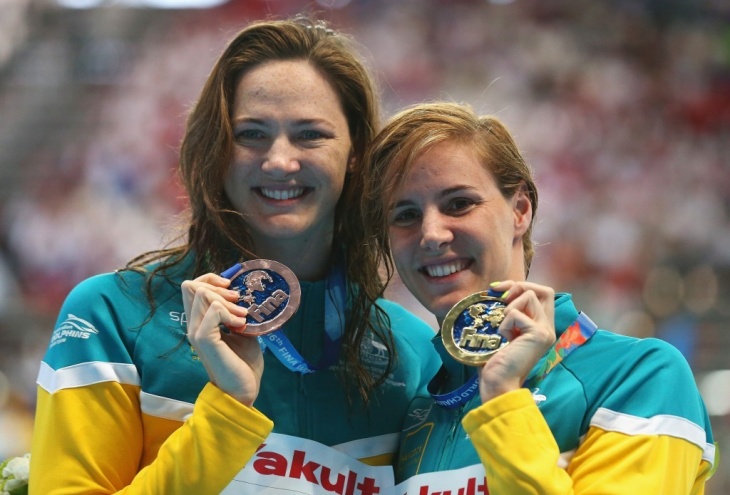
x,y
283,228
441,307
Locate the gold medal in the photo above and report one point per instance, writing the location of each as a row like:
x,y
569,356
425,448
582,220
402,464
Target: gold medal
x,y
470,329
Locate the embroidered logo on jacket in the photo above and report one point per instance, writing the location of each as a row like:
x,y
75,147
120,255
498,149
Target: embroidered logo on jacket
x,y
72,327
419,415
374,356
538,397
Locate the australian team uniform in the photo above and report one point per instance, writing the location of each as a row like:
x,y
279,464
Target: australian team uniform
x,y
124,404
617,415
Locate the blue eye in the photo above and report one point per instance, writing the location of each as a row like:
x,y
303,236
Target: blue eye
x,y
310,134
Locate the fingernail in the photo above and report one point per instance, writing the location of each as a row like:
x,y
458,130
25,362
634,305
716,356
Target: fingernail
x,y
494,284
504,295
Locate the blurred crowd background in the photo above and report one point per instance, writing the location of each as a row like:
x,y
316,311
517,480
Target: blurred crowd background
x,y
622,107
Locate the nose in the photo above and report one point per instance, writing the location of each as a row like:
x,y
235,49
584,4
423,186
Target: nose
x,y
281,159
435,232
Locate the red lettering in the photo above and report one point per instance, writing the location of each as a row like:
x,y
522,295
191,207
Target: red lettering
x,y
367,487
270,463
351,480
299,468
338,486
470,489
483,487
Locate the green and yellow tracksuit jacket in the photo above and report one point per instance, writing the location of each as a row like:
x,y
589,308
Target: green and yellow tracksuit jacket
x,y
125,405
618,415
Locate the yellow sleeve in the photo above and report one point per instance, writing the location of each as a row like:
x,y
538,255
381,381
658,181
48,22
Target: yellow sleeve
x,y
611,462
521,456
90,440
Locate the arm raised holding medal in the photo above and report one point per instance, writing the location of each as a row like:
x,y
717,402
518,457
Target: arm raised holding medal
x,y
531,398
529,328
233,362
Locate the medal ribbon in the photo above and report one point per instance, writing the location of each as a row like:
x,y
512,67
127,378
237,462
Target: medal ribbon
x,y
334,324
573,337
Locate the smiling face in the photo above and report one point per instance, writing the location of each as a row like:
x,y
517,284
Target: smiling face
x,y
291,152
451,230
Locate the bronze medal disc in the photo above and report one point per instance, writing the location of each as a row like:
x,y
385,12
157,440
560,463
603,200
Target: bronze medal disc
x,y
271,293
470,329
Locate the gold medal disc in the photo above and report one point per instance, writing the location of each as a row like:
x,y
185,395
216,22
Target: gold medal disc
x,y
470,329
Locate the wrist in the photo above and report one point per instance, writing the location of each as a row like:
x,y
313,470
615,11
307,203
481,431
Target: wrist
x,y
491,388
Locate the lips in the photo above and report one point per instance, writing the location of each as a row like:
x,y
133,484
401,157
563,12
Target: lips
x,y
281,194
445,269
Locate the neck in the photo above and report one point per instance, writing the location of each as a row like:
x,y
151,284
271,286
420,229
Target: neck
x,y
308,260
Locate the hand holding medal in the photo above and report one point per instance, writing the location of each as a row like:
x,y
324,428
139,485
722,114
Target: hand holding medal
x,y
248,299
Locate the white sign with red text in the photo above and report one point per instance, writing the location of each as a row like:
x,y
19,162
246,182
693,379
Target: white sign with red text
x,y
465,481
285,465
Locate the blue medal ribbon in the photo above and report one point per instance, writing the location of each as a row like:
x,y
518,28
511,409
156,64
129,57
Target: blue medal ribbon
x,y
454,398
334,325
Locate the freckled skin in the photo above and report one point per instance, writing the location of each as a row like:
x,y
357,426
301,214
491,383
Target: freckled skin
x,y
291,136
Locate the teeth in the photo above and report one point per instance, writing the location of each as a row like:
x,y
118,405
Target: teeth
x,y
282,194
445,269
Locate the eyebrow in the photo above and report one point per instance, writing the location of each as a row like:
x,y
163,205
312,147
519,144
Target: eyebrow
x,y
441,195
296,123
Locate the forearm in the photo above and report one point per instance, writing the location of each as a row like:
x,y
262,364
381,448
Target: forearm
x,y
520,456
516,447
90,440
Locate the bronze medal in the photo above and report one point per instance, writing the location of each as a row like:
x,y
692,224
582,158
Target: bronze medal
x,y
271,293
470,329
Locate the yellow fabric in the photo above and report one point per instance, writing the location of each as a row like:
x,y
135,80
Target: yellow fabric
x,y
200,456
378,460
521,456
156,432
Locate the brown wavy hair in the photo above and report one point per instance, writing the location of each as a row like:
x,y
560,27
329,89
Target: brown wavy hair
x,y
414,130
217,235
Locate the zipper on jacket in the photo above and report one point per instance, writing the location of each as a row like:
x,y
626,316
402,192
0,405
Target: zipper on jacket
x,y
449,446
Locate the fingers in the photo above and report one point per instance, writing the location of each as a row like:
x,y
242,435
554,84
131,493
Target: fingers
x,y
530,310
208,304
213,279
217,285
208,310
527,303
204,325
529,326
512,289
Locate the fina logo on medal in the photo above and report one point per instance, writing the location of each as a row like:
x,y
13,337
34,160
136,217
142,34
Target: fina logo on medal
x,y
271,293
470,329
